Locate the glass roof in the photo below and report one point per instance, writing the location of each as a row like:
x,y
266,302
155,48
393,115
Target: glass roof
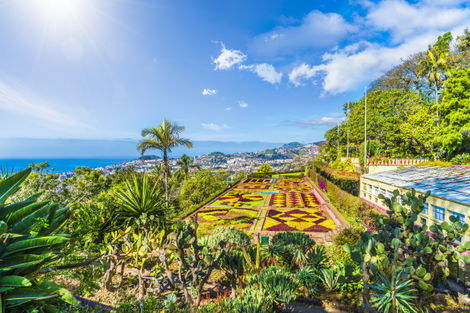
x,y
452,183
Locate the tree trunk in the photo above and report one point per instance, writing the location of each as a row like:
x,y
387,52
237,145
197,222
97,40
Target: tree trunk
x,y
166,173
365,294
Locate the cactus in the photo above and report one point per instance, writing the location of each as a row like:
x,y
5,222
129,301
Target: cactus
x,y
399,244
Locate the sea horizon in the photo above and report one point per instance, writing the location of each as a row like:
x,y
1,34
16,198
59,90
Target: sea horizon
x,y
60,165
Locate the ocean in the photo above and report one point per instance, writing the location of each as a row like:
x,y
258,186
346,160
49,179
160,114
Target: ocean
x,y
59,165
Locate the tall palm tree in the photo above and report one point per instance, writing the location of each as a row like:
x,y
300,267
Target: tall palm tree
x,y
163,137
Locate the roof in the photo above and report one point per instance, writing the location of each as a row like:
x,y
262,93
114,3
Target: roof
x,y
451,183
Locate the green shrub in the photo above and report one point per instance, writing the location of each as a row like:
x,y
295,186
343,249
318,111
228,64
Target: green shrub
x,y
434,163
349,166
348,181
461,159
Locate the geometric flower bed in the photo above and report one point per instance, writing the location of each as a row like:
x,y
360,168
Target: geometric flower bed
x,y
306,220
239,198
252,186
257,180
291,185
294,200
210,219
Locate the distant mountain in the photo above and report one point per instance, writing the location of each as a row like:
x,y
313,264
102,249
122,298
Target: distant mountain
x,y
292,145
113,148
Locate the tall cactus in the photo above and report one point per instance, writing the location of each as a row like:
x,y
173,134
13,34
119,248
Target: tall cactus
x,y
400,245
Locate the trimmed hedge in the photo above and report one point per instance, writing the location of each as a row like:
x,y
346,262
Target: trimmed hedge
x,y
351,207
289,174
347,181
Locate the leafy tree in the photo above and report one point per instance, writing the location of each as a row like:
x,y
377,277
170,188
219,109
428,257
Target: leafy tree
x,y
405,76
199,187
436,63
164,137
418,131
264,168
454,109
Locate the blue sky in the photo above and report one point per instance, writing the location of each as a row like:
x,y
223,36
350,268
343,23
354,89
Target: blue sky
x,y
234,70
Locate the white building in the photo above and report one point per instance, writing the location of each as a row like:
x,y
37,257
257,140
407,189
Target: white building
x,y
449,187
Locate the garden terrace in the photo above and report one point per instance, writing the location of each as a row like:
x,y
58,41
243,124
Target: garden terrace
x,y
266,206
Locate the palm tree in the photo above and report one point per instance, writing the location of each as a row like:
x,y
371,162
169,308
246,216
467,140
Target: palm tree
x,y
186,163
163,137
436,63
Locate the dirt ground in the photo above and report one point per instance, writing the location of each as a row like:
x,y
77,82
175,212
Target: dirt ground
x,y
299,307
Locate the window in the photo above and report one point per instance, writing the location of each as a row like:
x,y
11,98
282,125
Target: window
x,y
376,190
439,213
382,191
426,208
461,217
424,221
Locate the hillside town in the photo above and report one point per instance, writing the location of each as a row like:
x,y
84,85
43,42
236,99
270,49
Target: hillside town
x,y
287,157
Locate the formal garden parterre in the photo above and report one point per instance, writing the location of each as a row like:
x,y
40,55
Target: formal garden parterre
x,y
268,206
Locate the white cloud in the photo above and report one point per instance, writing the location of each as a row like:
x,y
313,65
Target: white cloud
x,y
303,71
228,58
209,92
266,71
316,30
215,127
322,121
228,109
243,104
17,102
413,28
403,19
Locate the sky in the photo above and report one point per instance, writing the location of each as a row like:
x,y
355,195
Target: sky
x,y
232,70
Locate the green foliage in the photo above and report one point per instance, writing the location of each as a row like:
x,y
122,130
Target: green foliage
x,y
348,205
231,236
394,295
163,137
346,180
454,110
399,247
330,279
461,159
434,163
195,262
264,168
278,284
28,242
186,164
138,196
200,188
425,95
291,248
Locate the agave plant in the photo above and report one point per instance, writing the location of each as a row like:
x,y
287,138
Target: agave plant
x,y
140,196
27,243
278,284
330,279
394,295
291,248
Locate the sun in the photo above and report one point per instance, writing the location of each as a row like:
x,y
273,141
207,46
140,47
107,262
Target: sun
x,y
61,13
